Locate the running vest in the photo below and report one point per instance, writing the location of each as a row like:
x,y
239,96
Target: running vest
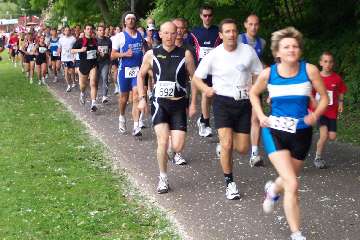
x,y
258,48
205,39
53,46
169,72
136,45
290,96
42,50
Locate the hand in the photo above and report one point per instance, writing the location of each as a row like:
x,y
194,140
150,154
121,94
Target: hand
x,y
341,108
128,53
264,121
209,92
310,119
142,106
83,49
192,110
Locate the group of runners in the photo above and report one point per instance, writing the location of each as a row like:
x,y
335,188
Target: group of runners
x,y
162,72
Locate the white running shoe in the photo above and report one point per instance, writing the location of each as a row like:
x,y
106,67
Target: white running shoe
x,y
256,161
31,81
297,236
218,150
141,124
201,127
82,98
39,82
137,131
68,89
104,99
319,163
47,76
178,159
232,193
269,201
73,85
43,81
55,79
207,132
122,125
163,185
93,107
116,90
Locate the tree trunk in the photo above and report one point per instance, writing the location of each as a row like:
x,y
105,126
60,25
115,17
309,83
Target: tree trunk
x,y
104,10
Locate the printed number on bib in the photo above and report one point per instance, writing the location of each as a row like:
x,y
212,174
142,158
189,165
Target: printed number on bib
x,y
165,89
131,72
330,95
241,93
286,124
42,49
204,51
91,54
103,49
55,53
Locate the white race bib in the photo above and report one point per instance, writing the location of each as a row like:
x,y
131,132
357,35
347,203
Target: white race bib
x,y
103,49
165,89
55,53
286,124
241,93
131,72
204,51
42,49
91,54
330,95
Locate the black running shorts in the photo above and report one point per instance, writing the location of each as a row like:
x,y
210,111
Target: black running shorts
x,y
169,111
329,123
229,113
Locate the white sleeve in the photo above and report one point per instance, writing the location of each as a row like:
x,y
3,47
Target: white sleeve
x,y
256,65
204,68
60,42
118,41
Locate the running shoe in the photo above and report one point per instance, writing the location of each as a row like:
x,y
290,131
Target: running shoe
x,y
73,85
39,82
163,185
122,125
55,79
104,99
256,161
207,132
142,124
82,98
201,127
179,160
218,149
297,236
43,81
269,202
319,163
93,107
31,81
116,90
137,131
232,193
68,89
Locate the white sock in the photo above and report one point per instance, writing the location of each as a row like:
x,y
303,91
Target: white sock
x,y
254,150
93,101
163,174
271,191
136,124
121,117
141,116
318,155
296,234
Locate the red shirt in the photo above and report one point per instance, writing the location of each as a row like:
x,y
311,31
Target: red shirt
x,y
334,86
13,41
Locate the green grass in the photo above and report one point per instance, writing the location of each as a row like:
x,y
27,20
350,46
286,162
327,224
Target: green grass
x,y
348,125
55,182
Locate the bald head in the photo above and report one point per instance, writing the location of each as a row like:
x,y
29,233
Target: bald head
x,y
168,26
168,34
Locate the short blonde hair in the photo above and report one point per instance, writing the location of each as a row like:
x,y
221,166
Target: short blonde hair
x,y
289,32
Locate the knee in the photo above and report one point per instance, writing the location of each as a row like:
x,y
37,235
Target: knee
x,y
177,146
332,136
162,142
226,145
291,185
243,149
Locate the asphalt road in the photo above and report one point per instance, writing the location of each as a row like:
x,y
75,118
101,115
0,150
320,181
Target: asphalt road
x,y
330,198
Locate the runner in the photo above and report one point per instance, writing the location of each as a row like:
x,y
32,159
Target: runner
x,y
13,47
54,55
66,43
232,66
87,49
41,64
287,132
29,51
128,47
77,59
115,64
205,38
21,53
252,24
104,48
168,108
336,89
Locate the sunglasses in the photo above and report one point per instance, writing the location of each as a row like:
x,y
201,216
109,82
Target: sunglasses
x,y
207,15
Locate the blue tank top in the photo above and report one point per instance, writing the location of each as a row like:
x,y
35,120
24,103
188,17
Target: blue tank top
x,y
290,96
257,47
136,45
54,44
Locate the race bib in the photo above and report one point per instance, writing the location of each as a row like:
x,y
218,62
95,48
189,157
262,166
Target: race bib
x,y
241,93
131,72
103,49
55,53
330,95
77,57
204,51
42,49
286,124
165,89
91,54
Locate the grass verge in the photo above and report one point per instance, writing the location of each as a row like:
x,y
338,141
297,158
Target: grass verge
x,y
55,182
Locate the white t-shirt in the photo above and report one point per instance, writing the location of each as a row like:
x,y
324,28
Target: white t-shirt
x,y
66,44
231,71
118,41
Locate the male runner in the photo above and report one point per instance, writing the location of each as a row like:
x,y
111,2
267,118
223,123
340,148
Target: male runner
x,y
171,65
54,56
232,67
66,43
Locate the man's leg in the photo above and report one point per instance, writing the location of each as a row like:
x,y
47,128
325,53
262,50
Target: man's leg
x,y
93,88
162,134
255,159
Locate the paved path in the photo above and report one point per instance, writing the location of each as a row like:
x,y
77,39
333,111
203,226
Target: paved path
x,y
330,199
